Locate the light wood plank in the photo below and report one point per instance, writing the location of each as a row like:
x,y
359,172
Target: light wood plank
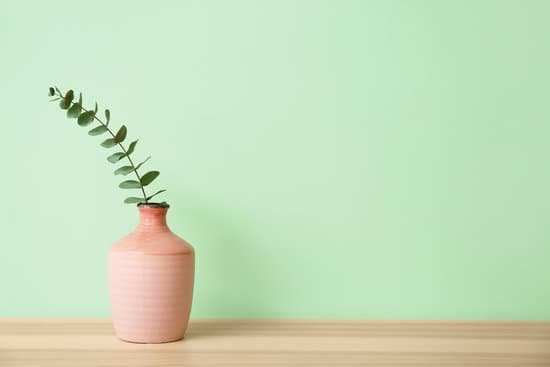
x,y
91,342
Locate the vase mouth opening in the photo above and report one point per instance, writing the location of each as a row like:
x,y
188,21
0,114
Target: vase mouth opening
x,y
162,205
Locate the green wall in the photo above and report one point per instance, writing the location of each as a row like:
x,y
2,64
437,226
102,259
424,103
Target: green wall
x,y
327,159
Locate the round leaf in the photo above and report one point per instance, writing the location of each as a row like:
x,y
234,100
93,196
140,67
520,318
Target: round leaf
x,y
129,184
133,200
69,96
131,147
115,157
74,111
51,92
124,170
147,178
108,143
86,118
121,134
67,100
64,104
97,130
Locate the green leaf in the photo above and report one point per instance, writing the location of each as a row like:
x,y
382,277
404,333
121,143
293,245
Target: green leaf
x,y
115,157
64,104
67,100
97,130
108,143
142,163
147,178
86,118
108,116
131,147
74,111
155,194
69,96
124,170
95,109
80,99
51,92
121,134
129,184
133,200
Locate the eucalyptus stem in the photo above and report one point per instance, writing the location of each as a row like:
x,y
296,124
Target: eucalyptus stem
x,y
120,145
85,117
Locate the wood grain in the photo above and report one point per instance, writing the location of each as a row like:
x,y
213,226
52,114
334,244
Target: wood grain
x,y
91,342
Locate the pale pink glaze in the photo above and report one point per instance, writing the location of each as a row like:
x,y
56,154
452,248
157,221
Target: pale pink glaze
x,y
151,276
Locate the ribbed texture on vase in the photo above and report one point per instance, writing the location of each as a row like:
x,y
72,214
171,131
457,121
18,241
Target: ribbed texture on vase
x,y
150,295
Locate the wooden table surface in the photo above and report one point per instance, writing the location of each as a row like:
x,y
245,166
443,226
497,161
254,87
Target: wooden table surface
x,y
91,342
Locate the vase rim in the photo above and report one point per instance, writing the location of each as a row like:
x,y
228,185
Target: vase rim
x,y
162,205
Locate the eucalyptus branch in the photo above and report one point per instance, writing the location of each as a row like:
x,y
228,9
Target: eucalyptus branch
x,y
84,118
123,150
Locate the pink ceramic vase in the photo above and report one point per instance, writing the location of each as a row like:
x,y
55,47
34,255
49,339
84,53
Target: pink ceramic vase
x,y
151,276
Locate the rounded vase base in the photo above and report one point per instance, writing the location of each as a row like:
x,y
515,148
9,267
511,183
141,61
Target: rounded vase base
x,y
143,341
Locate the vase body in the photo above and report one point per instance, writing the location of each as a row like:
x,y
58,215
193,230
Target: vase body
x,y
151,277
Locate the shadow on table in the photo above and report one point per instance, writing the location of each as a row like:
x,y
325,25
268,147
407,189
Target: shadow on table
x,y
221,328
234,277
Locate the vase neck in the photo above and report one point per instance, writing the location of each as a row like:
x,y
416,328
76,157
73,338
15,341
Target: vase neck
x,y
152,219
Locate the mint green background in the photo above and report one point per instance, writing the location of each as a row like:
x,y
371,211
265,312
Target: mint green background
x,y
327,159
